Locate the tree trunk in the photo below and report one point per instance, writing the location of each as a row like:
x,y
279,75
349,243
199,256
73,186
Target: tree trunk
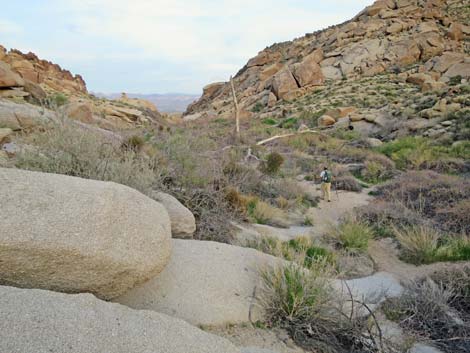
x,y
237,111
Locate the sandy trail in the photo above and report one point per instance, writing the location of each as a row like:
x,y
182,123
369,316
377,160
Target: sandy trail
x,y
342,203
385,255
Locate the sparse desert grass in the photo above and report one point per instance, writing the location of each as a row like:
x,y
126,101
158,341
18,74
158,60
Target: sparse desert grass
x,y
422,153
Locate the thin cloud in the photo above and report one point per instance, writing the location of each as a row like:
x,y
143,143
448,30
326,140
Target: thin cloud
x,y
211,39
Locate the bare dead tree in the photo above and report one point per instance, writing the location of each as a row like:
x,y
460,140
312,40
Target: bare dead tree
x,y
237,110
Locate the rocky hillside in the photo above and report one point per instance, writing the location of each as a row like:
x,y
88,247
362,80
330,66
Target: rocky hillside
x,y
423,42
24,78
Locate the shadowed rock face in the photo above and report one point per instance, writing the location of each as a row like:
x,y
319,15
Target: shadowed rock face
x,y
41,321
74,235
385,35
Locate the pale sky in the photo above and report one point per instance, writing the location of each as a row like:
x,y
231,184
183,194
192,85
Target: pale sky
x,y
160,46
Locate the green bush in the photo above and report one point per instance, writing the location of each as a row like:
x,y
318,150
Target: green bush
x,y
273,163
57,100
288,123
269,121
257,107
455,80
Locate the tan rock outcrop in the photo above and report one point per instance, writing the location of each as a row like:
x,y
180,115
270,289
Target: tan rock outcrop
x,y
8,78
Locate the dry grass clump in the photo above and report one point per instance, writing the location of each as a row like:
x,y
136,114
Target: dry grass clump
x,y
304,303
256,210
420,244
425,309
353,234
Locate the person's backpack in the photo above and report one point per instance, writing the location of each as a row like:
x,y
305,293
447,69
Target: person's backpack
x,y
326,177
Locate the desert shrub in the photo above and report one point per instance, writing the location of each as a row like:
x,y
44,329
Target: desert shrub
x,y
436,197
133,143
457,282
353,234
289,123
454,249
382,216
273,163
67,149
291,293
282,203
425,310
189,164
257,107
270,121
56,100
347,183
455,80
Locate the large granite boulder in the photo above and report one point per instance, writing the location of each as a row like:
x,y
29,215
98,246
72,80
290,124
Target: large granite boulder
x,y
38,321
74,235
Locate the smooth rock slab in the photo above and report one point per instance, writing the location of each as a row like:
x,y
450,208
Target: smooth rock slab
x,y
74,235
372,289
38,321
205,283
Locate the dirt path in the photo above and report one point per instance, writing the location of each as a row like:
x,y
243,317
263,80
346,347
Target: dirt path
x,y
385,254
251,339
342,203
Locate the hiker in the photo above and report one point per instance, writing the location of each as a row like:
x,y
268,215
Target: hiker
x,y
326,177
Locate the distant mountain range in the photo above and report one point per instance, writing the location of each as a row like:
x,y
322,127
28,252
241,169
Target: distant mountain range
x,y
166,103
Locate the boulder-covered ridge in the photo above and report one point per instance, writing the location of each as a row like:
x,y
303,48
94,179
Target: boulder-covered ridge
x,y
386,36
40,71
25,77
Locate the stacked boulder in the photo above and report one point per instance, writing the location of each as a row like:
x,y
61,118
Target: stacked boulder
x,y
68,245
